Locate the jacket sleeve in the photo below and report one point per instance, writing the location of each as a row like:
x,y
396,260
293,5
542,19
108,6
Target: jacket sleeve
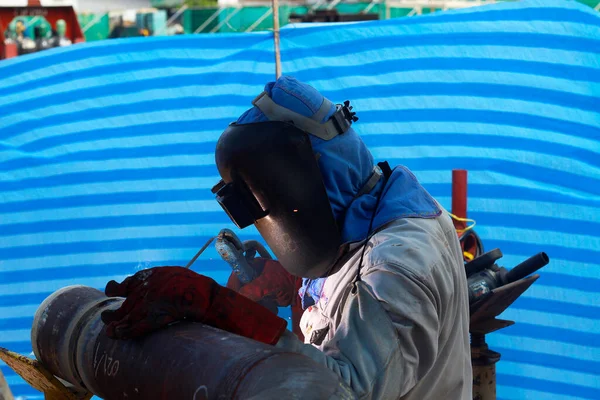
x,y
386,338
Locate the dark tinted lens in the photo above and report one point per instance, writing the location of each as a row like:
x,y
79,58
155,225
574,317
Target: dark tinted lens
x,y
239,204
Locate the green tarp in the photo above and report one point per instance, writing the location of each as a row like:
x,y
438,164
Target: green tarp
x,y
95,26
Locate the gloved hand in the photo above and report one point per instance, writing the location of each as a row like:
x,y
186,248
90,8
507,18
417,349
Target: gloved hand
x,y
273,283
158,296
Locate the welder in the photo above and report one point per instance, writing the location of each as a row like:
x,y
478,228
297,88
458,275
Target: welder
x,y
383,281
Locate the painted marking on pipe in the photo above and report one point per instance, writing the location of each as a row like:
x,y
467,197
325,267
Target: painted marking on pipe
x,y
110,365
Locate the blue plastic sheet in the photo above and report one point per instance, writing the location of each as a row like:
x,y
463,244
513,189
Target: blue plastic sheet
x,y
106,157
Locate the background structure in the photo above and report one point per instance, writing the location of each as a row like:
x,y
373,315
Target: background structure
x,y
106,157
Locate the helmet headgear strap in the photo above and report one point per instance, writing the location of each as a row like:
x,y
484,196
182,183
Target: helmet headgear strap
x,y
336,125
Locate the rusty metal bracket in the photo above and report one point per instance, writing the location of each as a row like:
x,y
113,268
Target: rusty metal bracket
x,y
483,321
34,373
495,303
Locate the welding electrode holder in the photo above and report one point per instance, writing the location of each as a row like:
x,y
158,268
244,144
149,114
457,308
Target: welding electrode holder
x,y
239,255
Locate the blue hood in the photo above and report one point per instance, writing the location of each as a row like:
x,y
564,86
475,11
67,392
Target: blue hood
x,y
346,165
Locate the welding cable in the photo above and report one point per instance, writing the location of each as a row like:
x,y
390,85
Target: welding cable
x,y
468,228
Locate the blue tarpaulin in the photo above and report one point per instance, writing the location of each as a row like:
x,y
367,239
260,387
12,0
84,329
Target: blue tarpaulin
x,y
107,157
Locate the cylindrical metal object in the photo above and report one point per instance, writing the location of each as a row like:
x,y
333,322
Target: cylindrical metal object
x,y
483,361
483,282
275,7
484,261
459,196
183,361
484,382
527,267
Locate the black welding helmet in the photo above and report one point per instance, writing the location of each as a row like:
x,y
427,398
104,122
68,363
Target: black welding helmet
x,y
271,178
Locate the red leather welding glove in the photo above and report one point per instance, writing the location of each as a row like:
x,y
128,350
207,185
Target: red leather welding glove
x,y
273,283
158,296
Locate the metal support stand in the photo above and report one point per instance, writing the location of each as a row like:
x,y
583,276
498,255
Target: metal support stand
x,y
484,362
484,321
485,309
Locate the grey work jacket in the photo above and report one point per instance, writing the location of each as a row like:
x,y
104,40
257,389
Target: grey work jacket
x,y
404,334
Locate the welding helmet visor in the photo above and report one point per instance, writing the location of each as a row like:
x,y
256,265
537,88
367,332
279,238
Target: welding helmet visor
x,y
271,178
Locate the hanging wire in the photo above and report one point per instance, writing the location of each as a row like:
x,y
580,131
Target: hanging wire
x,y
468,228
467,255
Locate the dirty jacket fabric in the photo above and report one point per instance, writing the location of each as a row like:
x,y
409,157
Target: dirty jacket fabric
x,y
403,334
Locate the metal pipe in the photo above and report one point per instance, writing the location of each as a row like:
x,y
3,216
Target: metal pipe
x,y
371,5
226,19
209,20
173,17
332,5
317,4
176,15
183,361
483,361
459,196
258,21
275,7
527,267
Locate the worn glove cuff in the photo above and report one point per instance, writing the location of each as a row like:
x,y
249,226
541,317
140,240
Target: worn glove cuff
x,y
237,314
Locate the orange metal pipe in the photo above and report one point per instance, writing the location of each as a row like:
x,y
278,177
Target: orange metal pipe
x,y
459,196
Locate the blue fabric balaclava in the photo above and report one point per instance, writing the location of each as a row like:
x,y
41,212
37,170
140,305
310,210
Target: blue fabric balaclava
x,y
345,162
346,165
